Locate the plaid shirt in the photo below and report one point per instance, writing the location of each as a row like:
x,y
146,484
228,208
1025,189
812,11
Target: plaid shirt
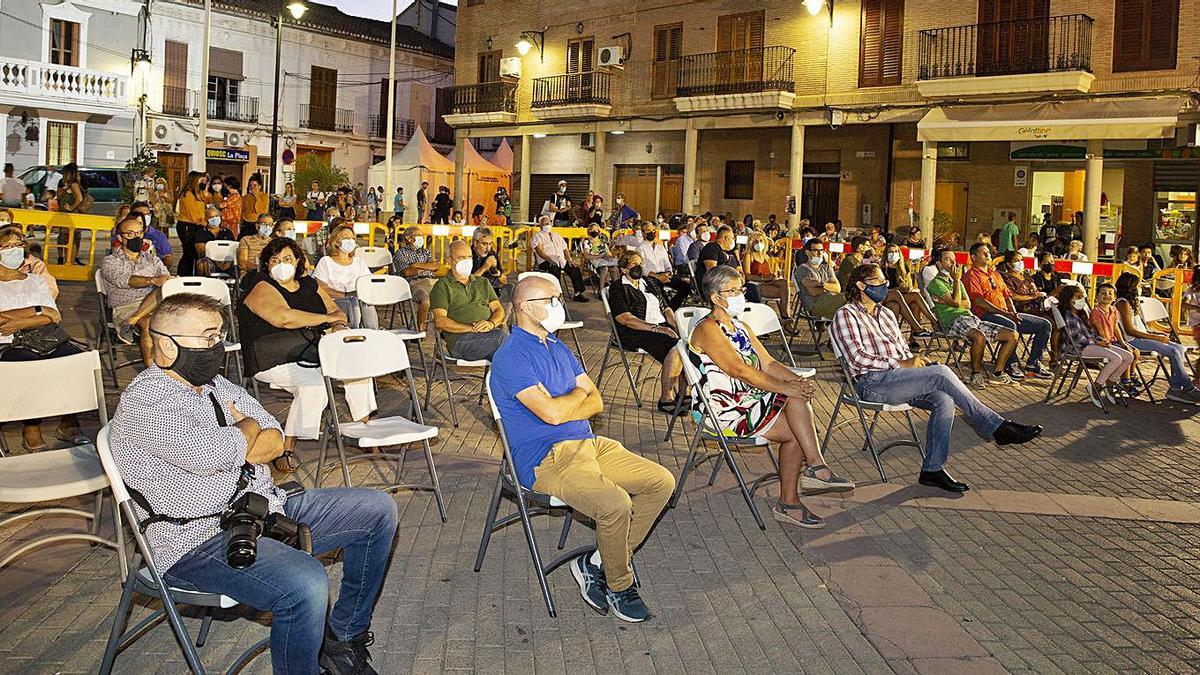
x,y
407,257
869,343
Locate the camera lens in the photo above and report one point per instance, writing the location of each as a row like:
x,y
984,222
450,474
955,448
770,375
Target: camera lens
x,y
242,547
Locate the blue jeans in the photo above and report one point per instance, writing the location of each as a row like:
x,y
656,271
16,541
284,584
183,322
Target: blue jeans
x,y
938,390
293,585
1174,352
1036,326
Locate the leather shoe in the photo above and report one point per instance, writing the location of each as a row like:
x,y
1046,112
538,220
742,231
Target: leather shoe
x,y
943,480
1010,432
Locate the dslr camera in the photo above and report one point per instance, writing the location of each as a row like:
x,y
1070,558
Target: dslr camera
x,y
247,518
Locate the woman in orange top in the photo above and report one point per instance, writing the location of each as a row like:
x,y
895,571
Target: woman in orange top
x,y
757,268
231,205
189,210
1106,321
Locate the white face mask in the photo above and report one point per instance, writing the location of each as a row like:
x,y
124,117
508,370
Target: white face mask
x,y
290,234
816,258
545,228
347,245
556,316
759,246
620,201
1018,267
265,230
736,304
893,258
705,236
146,219
1080,303
216,187
463,267
12,257
419,241
215,221
283,272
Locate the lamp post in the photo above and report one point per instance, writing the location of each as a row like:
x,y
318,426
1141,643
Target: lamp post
x,y
297,9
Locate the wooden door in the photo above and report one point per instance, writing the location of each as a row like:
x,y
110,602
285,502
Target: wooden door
x,y
950,207
739,46
175,79
1013,37
489,66
322,98
637,182
670,195
820,201
175,165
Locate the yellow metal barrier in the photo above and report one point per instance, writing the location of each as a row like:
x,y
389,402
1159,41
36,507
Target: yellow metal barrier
x,y
64,235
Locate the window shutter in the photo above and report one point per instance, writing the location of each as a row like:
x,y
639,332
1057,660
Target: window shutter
x,y
573,57
1145,35
725,29
661,39
754,30
1161,36
892,58
881,48
675,43
586,60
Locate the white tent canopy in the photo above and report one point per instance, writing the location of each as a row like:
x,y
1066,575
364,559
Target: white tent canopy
x,y
417,161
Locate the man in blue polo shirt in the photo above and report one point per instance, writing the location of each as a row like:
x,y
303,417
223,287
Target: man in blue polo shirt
x,y
545,399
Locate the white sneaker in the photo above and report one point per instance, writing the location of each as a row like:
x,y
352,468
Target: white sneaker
x,y
977,381
999,378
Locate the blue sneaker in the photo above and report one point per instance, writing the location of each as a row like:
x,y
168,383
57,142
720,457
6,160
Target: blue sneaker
x,y
628,605
591,583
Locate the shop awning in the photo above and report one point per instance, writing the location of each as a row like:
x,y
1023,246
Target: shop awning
x,y
1055,120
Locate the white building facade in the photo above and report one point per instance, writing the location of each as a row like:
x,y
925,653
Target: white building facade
x,y
332,88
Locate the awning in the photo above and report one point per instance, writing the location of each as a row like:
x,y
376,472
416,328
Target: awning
x,y
1054,120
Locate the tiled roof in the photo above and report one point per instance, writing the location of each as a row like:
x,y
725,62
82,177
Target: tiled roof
x,y
326,19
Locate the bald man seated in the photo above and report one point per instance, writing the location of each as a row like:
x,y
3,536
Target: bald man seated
x,y
546,399
466,309
189,443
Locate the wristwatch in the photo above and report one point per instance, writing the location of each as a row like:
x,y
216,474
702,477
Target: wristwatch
x,y
37,310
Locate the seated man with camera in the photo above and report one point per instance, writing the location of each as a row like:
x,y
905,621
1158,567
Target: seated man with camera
x,y
192,448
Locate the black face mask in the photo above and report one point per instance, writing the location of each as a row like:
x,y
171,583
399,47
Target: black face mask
x,y
594,233
197,365
134,244
635,272
650,236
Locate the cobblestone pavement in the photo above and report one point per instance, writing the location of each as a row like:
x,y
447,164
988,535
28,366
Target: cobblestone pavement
x,y
1075,553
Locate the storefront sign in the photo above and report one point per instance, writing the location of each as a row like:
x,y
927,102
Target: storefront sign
x,y
1059,151
227,154
1020,176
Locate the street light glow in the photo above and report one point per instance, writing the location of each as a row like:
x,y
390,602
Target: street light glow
x,y
297,9
813,6
523,46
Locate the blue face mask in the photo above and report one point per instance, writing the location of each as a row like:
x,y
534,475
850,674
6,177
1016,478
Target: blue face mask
x,y
876,293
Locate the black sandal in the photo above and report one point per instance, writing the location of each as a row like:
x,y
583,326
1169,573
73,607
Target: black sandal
x,y
286,463
807,519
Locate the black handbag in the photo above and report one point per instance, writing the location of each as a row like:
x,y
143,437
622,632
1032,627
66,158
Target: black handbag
x,y
42,340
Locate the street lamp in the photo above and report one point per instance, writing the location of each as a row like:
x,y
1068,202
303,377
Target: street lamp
x,y
529,40
297,9
815,6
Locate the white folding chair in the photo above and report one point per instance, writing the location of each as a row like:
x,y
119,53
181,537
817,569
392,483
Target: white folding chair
x,y
848,396
708,429
387,290
217,290
1154,310
529,503
106,334
763,321
50,388
223,252
148,580
614,342
817,326
376,257
685,320
569,324
362,354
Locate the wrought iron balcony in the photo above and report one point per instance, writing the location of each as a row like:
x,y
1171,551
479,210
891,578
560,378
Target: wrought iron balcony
x,y
571,89
405,128
179,101
323,118
740,71
234,109
1022,46
484,97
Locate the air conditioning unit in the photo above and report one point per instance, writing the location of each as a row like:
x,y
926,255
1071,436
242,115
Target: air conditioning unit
x,y
233,139
611,57
587,140
165,133
161,132
511,68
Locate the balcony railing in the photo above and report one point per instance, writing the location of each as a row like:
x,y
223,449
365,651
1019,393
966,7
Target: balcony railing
x,y
234,109
1022,46
405,128
179,101
46,80
741,71
326,119
571,89
484,97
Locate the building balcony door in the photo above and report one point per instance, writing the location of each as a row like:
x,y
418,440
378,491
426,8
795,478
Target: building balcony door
x,y
1013,37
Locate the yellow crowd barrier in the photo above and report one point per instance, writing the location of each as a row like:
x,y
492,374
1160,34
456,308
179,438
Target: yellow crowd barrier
x,y
63,237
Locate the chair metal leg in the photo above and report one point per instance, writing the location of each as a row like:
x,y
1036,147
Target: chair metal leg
x,y
912,428
687,468
249,655
832,422
870,441
433,475
324,451
675,414
205,624
604,363
449,392
119,622
629,376
341,449
737,474
489,523
578,350
533,552
566,529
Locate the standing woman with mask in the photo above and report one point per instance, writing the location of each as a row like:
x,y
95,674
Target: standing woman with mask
x,y
189,210
752,394
757,267
338,273
282,320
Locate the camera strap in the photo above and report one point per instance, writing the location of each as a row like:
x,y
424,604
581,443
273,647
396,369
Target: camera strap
x,y
243,482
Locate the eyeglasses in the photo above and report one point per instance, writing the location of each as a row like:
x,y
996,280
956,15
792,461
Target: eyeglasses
x,y
730,292
206,340
131,235
555,300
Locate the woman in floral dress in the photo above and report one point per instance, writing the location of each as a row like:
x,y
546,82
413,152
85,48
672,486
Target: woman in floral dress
x,y
753,395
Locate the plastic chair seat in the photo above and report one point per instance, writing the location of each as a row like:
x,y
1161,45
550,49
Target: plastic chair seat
x,y
572,325
708,432
463,363
882,407
51,474
387,431
408,334
198,598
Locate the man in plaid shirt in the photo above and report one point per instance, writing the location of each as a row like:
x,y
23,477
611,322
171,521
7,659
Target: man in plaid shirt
x,y
885,371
